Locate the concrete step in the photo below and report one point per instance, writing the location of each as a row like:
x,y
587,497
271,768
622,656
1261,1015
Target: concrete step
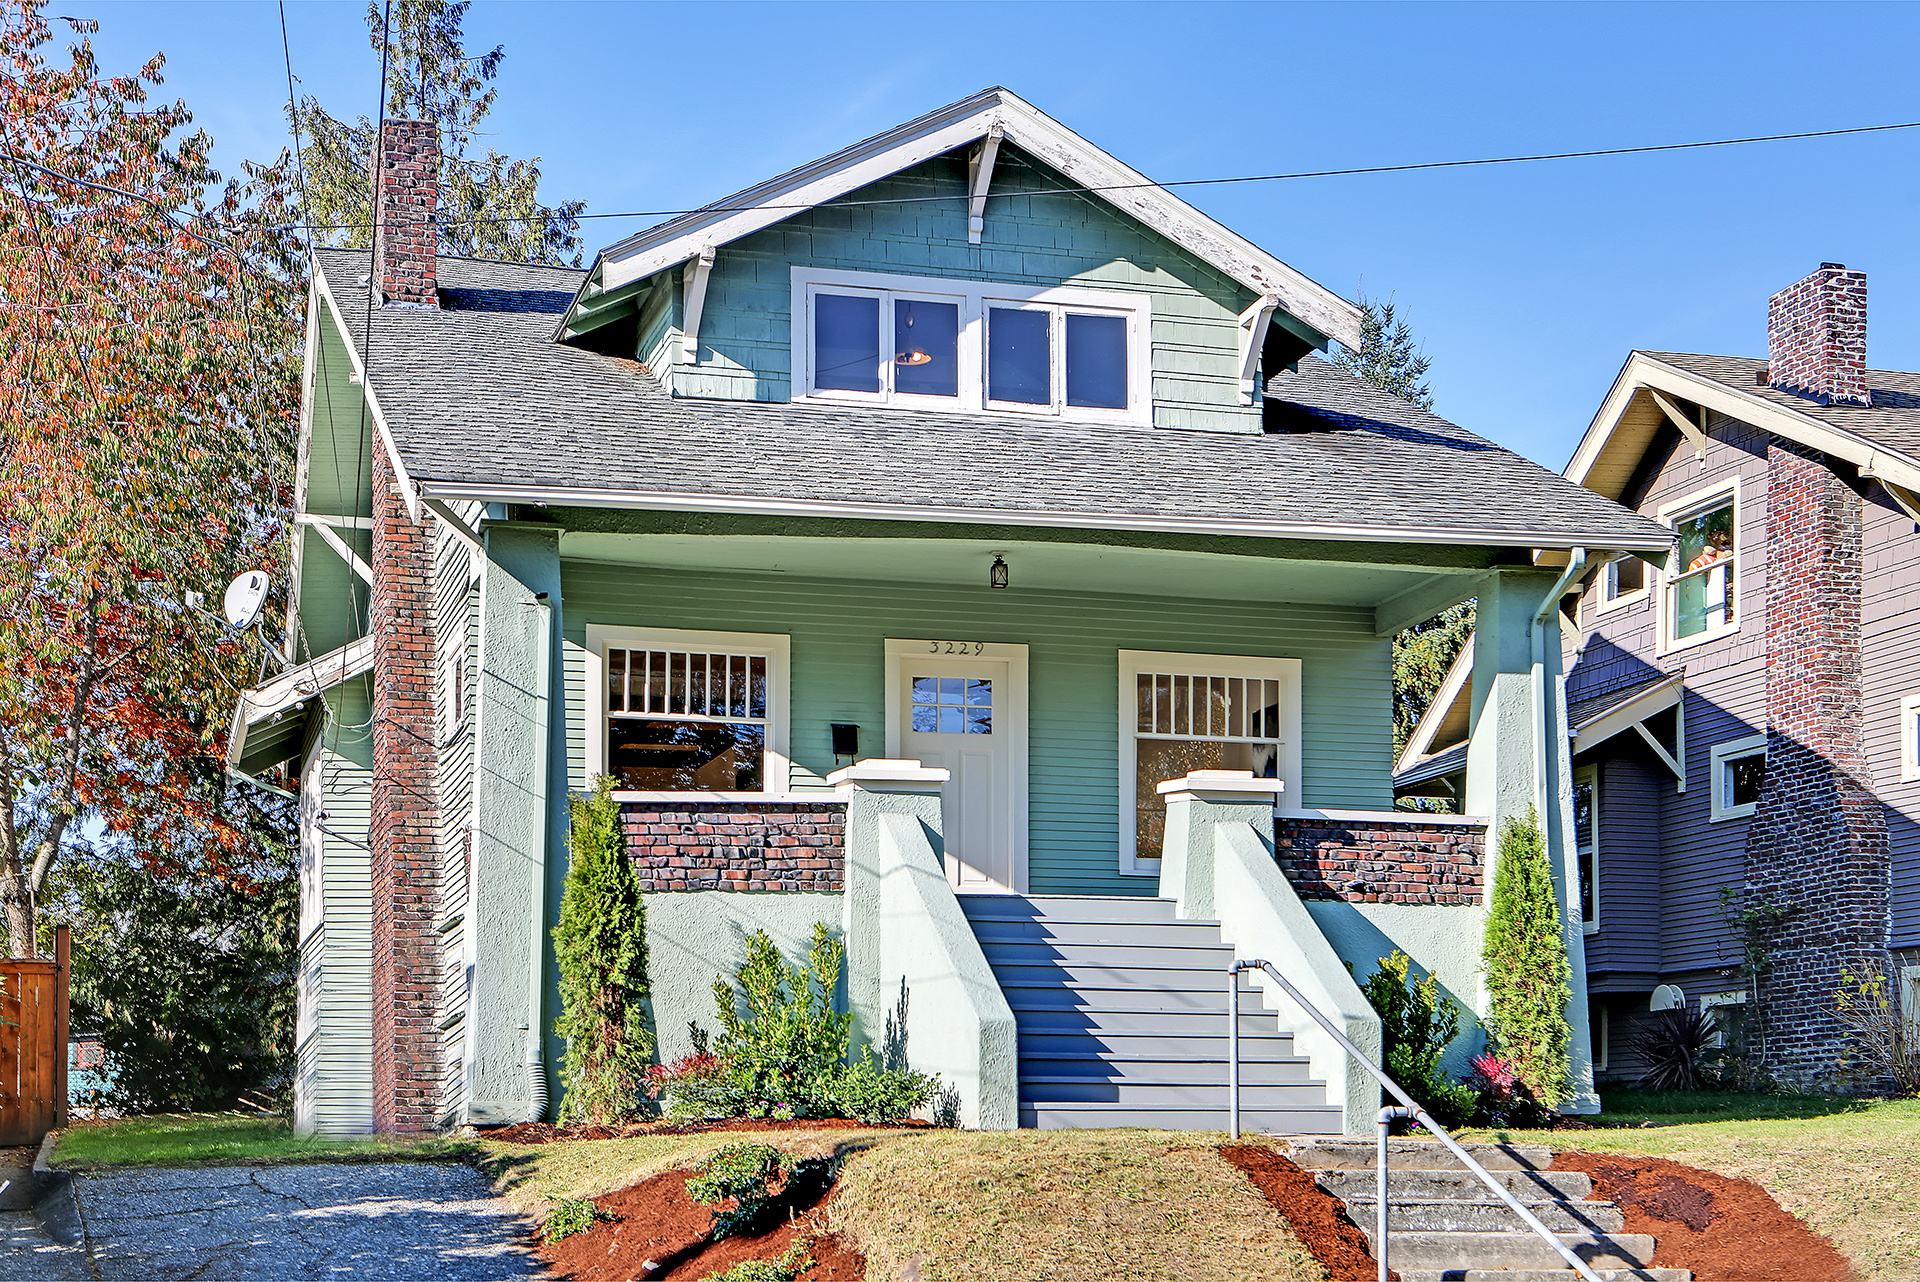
x,y
1083,1090
1322,1119
1542,1275
1420,1155
1054,995
1199,958
1152,1069
1159,969
1267,1047
1136,908
1151,934
1488,1215
1454,1253
1461,1185
1138,1022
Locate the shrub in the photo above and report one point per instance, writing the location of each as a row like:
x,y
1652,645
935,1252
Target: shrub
x,y
1677,1045
745,1173
1528,975
788,1267
600,946
1417,1023
567,1216
785,1054
1501,1098
1885,1043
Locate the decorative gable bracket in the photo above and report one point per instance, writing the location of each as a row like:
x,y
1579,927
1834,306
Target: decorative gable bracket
x,y
979,179
1253,337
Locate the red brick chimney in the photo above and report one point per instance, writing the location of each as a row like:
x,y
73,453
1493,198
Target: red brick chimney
x,y
406,184
1817,337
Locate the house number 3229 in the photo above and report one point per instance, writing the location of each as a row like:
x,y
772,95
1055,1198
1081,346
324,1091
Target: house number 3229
x,y
956,647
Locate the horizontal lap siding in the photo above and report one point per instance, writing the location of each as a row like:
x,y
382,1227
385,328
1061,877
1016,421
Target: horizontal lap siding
x,y
839,627
1627,943
1890,670
1031,240
1726,699
336,1063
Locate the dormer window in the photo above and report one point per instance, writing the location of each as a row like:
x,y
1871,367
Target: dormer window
x,y
924,343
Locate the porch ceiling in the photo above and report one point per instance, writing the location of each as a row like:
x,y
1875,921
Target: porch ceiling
x,y
1056,567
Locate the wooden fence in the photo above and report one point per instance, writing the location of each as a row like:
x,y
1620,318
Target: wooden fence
x,y
33,1045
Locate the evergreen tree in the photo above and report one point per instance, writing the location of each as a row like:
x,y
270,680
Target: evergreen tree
x,y
1387,357
1421,656
489,203
600,946
1525,953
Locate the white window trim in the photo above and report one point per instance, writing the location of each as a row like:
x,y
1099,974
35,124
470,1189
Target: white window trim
x,y
1133,662
973,298
1710,1002
1669,514
773,646
1604,604
1603,1041
1910,998
1591,773
1909,739
1717,779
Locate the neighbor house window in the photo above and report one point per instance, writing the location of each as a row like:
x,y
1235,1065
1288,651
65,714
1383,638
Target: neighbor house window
x,y
1703,582
1739,770
1586,822
1726,1014
1186,712
1623,580
690,713
928,343
1910,738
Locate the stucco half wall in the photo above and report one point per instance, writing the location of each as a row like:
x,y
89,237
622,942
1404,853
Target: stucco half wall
x,y
1442,939
696,937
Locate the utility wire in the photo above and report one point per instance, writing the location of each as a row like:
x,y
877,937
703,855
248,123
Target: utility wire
x,y
1205,182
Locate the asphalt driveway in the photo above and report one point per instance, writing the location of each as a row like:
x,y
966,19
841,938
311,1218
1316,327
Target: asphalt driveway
x,y
398,1220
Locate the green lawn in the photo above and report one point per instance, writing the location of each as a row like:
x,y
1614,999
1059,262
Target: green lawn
x,y
214,1138
1850,1168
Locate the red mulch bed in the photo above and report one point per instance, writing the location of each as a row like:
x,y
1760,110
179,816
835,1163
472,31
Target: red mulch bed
x,y
547,1133
657,1231
1319,1218
1724,1229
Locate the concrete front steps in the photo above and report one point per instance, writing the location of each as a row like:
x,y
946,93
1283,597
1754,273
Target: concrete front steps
x,y
1121,1012
1444,1225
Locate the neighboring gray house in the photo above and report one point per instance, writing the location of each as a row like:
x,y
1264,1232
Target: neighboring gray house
x,y
1745,724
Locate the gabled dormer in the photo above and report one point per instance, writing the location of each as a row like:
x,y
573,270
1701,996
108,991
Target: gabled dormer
x,y
982,259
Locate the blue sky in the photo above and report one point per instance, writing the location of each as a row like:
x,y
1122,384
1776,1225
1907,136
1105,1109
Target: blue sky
x,y
1527,284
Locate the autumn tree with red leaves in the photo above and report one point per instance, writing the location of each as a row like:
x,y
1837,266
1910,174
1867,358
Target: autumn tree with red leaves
x,y
149,362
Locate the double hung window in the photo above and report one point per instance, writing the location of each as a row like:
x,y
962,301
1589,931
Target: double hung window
x,y
1586,843
689,713
1702,587
1623,580
939,344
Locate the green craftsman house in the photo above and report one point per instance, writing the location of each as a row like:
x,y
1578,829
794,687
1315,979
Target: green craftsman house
x,y
955,540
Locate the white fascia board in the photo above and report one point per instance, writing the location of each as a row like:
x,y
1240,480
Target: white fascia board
x,y
409,492
754,505
303,455
1642,370
294,687
1453,687
955,126
1629,714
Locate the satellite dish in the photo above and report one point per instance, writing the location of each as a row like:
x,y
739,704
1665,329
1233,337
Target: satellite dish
x,y
245,596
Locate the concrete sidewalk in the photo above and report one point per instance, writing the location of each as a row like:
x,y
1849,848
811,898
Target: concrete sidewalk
x,y
397,1220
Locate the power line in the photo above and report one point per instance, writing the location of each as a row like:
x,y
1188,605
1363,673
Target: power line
x,y
1203,182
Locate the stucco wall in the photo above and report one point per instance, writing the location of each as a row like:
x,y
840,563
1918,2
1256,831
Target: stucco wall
x,y
1442,940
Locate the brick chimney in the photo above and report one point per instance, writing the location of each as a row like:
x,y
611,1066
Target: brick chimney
x,y
406,184
1817,337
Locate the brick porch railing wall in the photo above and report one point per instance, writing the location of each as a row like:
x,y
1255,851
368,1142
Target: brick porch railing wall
x,y
757,846
1817,844
1381,860
404,834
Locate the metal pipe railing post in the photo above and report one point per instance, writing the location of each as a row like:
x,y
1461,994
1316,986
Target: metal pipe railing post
x,y
1233,1051
1387,1116
1417,1113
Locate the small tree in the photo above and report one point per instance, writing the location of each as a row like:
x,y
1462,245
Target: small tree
x,y
1387,357
601,948
1528,976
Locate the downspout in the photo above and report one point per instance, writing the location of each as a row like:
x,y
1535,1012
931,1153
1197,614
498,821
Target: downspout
x,y
1537,638
537,890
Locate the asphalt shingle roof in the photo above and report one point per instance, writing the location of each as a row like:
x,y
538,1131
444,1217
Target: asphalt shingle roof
x,y
478,393
1891,419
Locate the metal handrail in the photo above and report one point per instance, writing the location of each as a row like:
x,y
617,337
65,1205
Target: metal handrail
x,y
1413,1110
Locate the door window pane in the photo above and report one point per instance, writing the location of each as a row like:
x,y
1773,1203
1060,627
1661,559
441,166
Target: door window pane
x,y
846,342
1097,362
926,348
952,705
1020,356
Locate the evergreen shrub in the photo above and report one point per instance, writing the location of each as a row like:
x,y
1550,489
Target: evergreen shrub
x,y
1529,980
1417,1023
601,948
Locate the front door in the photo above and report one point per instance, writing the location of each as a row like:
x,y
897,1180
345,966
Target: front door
x,y
966,713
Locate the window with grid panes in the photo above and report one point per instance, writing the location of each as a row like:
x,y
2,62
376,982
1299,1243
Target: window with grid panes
x,y
1185,723
681,721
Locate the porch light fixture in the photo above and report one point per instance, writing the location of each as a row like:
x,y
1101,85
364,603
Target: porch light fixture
x,y
997,574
